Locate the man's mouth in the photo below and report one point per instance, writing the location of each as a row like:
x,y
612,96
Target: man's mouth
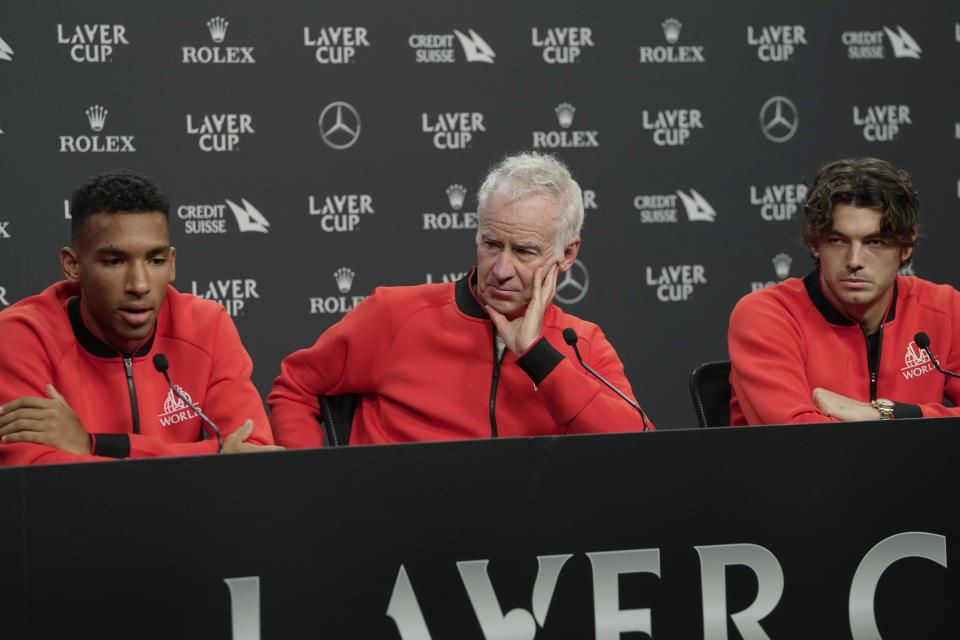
x,y
136,315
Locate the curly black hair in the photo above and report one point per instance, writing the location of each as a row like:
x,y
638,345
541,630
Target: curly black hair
x,y
868,183
115,191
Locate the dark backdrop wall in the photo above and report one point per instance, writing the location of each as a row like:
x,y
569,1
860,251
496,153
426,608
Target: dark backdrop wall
x,y
314,151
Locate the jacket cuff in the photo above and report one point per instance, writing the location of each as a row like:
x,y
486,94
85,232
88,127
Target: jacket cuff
x,y
110,445
904,410
539,360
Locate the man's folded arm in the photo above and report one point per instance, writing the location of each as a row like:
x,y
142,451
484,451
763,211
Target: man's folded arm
x,y
767,368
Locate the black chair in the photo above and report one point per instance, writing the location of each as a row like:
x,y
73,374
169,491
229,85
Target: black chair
x,y
337,414
710,390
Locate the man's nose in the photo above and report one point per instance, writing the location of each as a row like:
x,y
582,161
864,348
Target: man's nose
x,y
504,269
137,281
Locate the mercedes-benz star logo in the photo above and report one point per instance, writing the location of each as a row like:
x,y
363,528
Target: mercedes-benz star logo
x,y
573,283
339,125
779,119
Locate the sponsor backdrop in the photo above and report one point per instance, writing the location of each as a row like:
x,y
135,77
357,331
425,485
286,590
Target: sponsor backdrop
x,y
314,153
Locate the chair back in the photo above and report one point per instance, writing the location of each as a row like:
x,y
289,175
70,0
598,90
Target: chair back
x,y
710,391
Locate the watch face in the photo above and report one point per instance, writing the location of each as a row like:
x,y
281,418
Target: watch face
x,y
886,404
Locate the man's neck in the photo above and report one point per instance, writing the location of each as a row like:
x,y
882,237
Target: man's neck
x,y
871,316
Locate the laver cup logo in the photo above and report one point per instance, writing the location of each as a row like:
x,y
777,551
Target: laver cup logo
x,y
881,122
778,202
452,130
335,44
92,42
776,42
97,119
676,282
341,212
220,132
672,127
216,54
562,45
233,294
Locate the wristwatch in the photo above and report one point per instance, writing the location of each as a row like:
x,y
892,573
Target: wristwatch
x,y
884,406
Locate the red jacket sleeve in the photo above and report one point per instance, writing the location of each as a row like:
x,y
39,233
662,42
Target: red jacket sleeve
x,y
767,364
25,371
575,397
361,336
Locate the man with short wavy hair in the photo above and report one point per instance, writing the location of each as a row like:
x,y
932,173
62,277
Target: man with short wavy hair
x,y
482,357
839,343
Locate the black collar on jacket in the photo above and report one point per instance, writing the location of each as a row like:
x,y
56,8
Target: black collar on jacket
x,y
466,301
93,344
830,313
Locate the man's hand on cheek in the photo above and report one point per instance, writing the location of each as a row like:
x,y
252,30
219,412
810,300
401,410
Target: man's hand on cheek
x,y
520,333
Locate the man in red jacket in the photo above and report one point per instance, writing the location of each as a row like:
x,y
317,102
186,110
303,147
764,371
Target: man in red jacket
x,y
77,380
482,357
839,343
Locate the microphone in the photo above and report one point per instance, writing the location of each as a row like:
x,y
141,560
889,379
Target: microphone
x,y
571,338
922,340
161,364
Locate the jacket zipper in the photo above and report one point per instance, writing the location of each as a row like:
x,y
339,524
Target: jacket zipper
x,y
873,361
128,367
497,359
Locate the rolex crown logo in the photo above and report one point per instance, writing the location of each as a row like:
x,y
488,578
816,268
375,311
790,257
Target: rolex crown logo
x,y
456,193
97,116
671,30
344,277
781,264
218,28
565,113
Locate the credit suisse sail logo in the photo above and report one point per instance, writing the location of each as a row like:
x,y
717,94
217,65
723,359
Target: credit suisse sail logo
x,y
433,48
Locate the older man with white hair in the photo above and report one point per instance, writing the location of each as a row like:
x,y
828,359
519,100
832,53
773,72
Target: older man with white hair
x,y
481,357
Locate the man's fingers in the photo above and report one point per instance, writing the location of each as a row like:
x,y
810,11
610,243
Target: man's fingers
x,y
25,401
499,320
37,437
23,419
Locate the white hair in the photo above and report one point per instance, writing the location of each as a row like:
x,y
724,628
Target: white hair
x,y
531,173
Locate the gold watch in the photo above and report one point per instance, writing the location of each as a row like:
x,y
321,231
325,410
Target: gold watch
x,y
884,406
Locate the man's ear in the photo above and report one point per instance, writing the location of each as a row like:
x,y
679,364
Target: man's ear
x,y
70,263
173,263
569,254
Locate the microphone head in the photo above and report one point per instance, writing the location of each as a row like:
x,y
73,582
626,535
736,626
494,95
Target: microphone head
x,y
570,336
160,362
922,340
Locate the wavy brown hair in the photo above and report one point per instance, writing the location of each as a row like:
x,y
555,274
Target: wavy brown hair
x,y
868,183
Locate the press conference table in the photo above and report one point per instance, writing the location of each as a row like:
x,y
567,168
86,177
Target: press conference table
x,y
733,532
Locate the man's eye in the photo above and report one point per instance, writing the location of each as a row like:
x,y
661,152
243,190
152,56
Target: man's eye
x,y
112,262
877,243
158,261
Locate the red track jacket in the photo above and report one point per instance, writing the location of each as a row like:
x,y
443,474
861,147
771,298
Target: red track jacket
x,y
45,340
423,361
788,339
